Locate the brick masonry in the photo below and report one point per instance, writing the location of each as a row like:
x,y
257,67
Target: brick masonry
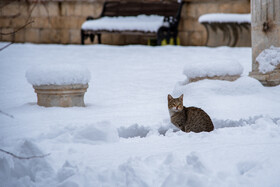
x,y
58,21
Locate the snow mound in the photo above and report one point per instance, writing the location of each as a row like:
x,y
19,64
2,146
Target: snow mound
x,y
24,172
212,68
144,23
57,74
66,172
222,17
100,132
268,59
133,131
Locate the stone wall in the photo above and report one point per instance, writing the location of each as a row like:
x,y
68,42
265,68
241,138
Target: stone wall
x,y
59,21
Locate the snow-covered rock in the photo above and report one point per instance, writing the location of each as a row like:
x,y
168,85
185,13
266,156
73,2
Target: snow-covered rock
x,y
212,68
57,74
268,59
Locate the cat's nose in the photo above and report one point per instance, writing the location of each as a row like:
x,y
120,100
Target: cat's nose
x,y
176,107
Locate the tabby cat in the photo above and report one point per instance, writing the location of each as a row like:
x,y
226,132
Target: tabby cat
x,y
188,118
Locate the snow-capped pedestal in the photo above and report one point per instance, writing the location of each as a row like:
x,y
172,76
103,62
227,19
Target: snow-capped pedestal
x,y
61,85
218,70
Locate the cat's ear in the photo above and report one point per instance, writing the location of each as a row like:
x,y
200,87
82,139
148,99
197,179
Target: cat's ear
x,y
169,97
181,97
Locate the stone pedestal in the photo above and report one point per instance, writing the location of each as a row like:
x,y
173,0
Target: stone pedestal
x,y
265,29
223,78
61,95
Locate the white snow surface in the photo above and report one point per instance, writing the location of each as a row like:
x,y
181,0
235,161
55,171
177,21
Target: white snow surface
x,y
57,74
225,17
123,137
268,59
146,23
212,68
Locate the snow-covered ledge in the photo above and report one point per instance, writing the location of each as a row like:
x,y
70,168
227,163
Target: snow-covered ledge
x,y
218,70
225,18
60,85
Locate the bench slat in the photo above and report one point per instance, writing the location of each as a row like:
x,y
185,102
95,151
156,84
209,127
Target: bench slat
x,y
136,8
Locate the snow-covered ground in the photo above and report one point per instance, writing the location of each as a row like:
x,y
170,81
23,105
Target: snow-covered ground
x,y
123,137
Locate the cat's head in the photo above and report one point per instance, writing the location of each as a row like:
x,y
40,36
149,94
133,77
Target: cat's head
x,y
175,104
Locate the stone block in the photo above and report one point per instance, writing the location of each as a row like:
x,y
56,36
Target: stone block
x,y
189,10
241,7
32,35
50,36
67,8
98,8
205,8
41,22
64,36
106,38
52,8
12,9
18,22
224,78
20,36
192,24
75,36
87,9
184,37
67,22
267,79
185,11
24,8
226,7
78,10
196,38
7,37
39,10
118,39
5,22
132,39
181,25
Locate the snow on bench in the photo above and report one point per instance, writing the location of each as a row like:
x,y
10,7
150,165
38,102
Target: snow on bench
x,y
143,23
58,74
269,59
230,24
154,19
225,18
222,70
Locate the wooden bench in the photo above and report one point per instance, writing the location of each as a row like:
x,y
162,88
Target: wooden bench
x,y
230,24
116,14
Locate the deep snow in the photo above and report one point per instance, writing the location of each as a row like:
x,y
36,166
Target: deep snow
x,y
123,136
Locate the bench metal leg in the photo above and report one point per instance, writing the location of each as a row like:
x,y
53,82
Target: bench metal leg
x,y
92,38
99,38
82,37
